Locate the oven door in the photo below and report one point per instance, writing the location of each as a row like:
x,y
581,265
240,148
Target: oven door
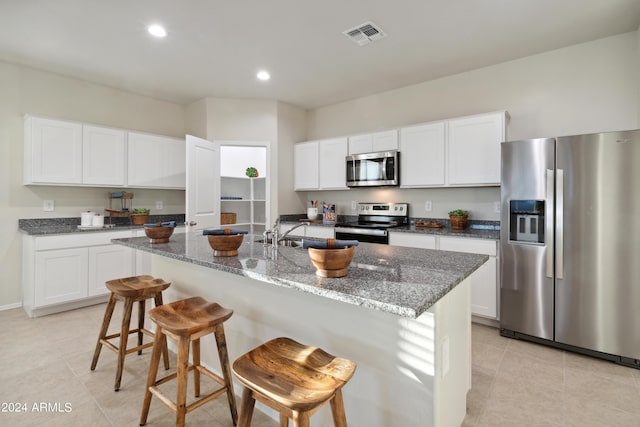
x,y
369,235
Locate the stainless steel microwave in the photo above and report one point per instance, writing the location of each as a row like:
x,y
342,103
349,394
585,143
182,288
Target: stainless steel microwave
x,y
373,169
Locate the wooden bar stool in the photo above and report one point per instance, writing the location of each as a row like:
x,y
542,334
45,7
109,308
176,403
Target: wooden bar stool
x,y
293,379
186,321
129,290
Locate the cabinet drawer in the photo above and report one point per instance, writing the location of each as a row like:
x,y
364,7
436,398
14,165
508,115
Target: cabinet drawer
x,y
76,240
412,240
468,245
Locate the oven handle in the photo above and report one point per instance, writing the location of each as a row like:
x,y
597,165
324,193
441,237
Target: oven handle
x,y
366,232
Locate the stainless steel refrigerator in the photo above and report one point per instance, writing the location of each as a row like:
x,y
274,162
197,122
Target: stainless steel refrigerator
x,y
570,243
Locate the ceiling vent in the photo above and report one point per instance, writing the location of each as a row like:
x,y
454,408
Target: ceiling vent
x,y
365,33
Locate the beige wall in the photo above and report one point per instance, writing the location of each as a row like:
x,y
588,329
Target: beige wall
x,y
25,90
291,129
590,87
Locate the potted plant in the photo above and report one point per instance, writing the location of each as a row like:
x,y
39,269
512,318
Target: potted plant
x,y
458,219
251,172
140,216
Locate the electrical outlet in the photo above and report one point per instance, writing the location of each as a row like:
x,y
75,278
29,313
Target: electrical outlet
x,y
48,206
354,205
496,207
159,205
428,206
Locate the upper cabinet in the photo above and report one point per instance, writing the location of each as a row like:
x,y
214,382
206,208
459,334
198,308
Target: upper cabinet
x,y
474,149
103,155
58,152
373,142
52,151
422,154
320,165
458,152
156,161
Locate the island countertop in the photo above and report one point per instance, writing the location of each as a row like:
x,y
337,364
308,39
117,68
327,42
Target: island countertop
x,y
399,280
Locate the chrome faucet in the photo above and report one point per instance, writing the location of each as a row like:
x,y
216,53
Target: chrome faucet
x,y
286,233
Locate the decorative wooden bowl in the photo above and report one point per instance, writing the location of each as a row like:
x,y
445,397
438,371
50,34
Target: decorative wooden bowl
x,y
225,244
331,262
158,234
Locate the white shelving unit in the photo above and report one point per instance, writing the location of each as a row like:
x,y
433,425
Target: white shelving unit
x,y
250,207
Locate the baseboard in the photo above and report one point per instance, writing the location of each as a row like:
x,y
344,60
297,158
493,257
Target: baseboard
x,y
10,306
485,321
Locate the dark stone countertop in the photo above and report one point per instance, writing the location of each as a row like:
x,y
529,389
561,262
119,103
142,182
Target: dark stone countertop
x,y
47,226
399,280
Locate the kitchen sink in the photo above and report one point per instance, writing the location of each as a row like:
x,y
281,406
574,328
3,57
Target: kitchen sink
x,y
291,243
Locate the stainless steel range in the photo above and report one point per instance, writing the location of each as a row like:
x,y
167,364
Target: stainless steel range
x,y
374,221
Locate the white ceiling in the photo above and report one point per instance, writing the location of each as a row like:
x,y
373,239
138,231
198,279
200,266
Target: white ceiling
x,y
215,47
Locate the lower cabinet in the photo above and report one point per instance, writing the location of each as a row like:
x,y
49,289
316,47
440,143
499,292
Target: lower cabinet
x,y
484,281
63,272
316,231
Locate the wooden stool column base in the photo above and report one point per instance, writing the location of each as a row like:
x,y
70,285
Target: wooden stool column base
x,y
294,380
186,321
129,290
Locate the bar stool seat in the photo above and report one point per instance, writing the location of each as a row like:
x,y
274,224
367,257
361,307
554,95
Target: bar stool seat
x,y
294,379
186,321
129,290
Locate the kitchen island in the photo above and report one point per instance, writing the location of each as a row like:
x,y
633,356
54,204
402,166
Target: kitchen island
x,y
402,314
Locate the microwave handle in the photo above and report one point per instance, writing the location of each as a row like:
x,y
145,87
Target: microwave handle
x,y
384,168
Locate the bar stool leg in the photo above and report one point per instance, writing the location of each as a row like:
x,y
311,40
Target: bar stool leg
x,y
159,342
337,410
195,347
165,351
124,336
182,372
300,419
221,343
284,420
246,408
141,310
103,330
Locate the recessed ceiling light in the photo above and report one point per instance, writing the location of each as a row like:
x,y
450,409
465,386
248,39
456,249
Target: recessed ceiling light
x,y
263,75
157,30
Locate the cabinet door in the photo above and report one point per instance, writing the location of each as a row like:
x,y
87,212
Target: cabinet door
x,y
103,155
145,160
61,276
108,262
474,149
385,141
174,171
53,151
333,170
319,232
422,155
484,281
305,161
361,144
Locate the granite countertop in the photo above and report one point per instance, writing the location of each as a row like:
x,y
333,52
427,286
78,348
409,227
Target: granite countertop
x,y
47,226
398,280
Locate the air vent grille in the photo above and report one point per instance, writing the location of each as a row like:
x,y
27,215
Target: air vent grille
x,y
365,33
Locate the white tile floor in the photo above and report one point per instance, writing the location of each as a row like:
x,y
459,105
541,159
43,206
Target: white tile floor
x,y
46,361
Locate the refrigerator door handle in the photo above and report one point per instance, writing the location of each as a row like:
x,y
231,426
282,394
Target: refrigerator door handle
x,y
559,224
549,223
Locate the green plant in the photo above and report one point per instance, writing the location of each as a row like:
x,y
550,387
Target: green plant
x,y
141,211
252,172
458,212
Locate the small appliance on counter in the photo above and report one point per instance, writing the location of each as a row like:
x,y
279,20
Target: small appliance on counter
x,y
374,221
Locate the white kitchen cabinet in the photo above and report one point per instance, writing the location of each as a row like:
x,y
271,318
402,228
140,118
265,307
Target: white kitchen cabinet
x,y
315,231
306,166
62,272
108,262
52,151
422,157
484,281
246,197
373,142
60,276
474,149
156,161
332,165
103,156
412,240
